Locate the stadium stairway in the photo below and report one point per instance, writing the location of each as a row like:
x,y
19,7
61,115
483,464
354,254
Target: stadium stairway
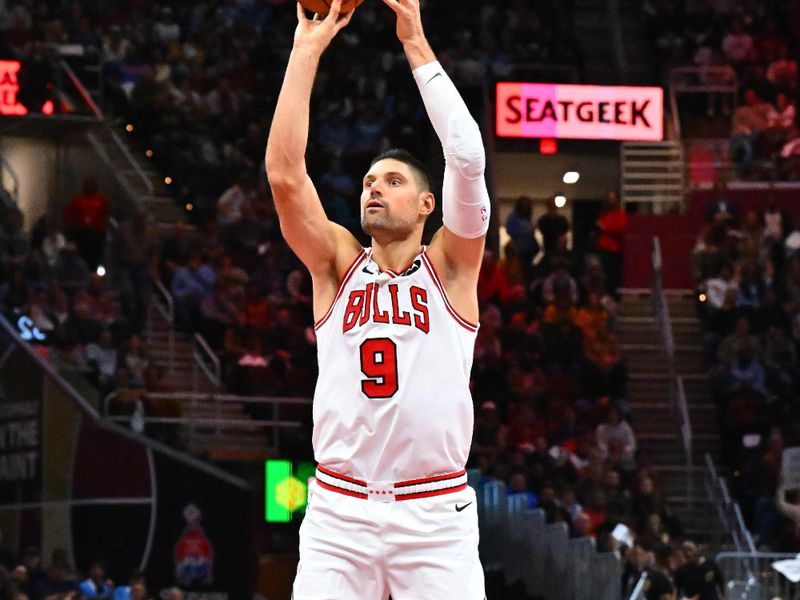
x,y
239,443
137,172
655,422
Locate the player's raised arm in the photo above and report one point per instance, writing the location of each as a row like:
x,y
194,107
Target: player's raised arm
x,y
307,230
465,199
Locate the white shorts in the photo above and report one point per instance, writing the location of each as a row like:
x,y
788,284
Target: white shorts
x,y
420,549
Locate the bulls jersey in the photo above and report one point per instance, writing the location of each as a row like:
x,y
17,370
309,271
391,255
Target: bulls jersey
x,y
392,401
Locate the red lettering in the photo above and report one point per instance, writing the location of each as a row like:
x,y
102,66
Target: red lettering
x,y
377,315
398,317
419,300
354,305
367,309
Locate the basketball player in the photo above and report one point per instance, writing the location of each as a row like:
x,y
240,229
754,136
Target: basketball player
x,y
390,512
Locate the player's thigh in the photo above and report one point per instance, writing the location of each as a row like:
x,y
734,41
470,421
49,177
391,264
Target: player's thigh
x,y
432,552
338,550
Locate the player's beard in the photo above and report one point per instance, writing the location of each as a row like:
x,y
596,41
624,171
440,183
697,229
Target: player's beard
x,y
375,223
382,223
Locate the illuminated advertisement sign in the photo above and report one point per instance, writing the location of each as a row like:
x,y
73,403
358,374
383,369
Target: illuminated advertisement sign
x,y
286,489
9,88
587,112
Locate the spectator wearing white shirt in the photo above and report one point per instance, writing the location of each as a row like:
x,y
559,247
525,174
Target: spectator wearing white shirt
x,y
792,242
166,29
717,287
615,428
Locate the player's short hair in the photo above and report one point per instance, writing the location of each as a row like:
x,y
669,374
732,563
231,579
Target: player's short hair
x,y
416,165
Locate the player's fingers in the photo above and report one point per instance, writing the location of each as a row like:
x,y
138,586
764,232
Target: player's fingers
x,y
336,9
301,13
393,4
344,21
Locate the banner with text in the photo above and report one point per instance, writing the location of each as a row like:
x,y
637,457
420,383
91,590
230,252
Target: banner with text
x,y
20,426
588,112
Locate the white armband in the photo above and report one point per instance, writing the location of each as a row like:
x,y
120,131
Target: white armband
x,y
465,200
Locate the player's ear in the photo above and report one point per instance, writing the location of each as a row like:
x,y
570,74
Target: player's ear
x,y
427,203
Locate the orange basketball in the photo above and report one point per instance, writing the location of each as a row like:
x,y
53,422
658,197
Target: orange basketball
x,y
323,7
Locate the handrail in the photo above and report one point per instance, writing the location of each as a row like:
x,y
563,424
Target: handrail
x,y
748,538
679,76
136,166
679,404
728,510
662,309
87,97
200,347
686,435
168,314
209,422
6,167
50,372
189,396
638,591
98,113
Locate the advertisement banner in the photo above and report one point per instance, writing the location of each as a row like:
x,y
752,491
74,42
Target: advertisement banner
x,y
20,428
588,112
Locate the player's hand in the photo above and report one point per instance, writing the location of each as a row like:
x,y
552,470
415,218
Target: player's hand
x,y
318,32
409,20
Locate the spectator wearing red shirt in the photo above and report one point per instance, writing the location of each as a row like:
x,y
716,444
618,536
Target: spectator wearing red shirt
x,y
86,216
493,285
612,224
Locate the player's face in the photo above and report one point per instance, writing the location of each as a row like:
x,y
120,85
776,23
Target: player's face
x,y
391,200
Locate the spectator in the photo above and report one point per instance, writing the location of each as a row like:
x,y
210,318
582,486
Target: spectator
x,y
229,205
699,576
615,428
136,249
86,215
518,486
102,357
750,121
522,232
173,593
175,250
136,361
191,286
746,372
612,224
737,43
593,318
552,226
493,285
71,270
35,575
96,585
135,590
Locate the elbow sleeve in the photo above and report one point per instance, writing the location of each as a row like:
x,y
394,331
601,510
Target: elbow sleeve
x,y
465,200
464,147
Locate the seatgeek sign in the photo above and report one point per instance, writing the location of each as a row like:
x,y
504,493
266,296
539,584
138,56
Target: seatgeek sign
x,y
583,112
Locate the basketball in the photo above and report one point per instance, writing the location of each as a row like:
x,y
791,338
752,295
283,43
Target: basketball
x,y
322,7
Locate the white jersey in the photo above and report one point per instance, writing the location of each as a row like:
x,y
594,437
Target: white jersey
x,y
392,401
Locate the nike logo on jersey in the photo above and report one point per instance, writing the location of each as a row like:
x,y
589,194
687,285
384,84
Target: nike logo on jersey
x,y
413,268
367,271
460,508
409,307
